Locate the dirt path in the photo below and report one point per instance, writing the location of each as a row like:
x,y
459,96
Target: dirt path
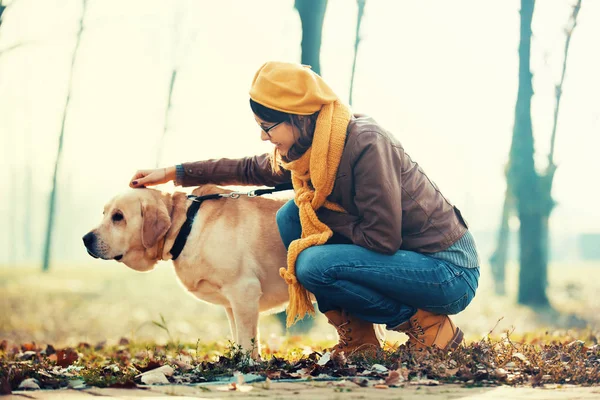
x,y
319,390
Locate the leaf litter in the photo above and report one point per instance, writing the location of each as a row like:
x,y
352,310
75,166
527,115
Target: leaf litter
x,y
543,360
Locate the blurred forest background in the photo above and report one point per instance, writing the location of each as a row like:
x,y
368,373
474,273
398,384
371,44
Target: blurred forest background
x,y
499,102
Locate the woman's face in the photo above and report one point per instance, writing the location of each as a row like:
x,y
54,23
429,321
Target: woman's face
x,y
282,135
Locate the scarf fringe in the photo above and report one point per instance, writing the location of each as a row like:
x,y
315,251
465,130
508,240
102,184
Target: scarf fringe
x,y
317,168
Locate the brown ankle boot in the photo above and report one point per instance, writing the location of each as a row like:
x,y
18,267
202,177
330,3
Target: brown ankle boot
x,y
356,337
426,329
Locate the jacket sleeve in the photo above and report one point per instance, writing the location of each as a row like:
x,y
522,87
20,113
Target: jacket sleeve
x,y
378,191
255,170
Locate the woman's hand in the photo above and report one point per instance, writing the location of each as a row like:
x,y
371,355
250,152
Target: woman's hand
x,y
150,177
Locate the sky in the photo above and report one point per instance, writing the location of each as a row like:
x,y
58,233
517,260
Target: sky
x,y
440,76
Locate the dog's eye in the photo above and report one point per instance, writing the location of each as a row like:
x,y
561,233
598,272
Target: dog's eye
x,y
117,217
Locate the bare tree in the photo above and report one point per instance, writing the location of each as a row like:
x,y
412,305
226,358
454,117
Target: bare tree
x,y
499,257
532,191
361,11
52,201
312,15
523,179
547,178
166,120
12,240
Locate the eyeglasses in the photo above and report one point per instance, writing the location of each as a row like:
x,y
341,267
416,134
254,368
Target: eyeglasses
x,y
267,130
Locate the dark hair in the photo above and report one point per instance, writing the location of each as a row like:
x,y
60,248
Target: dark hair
x,y
268,114
304,123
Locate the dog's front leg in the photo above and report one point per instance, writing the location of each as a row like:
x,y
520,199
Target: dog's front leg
x,y
231,318
244,300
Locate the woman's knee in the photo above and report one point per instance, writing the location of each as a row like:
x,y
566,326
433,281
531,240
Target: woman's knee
x,y
287,213
288,223
312,267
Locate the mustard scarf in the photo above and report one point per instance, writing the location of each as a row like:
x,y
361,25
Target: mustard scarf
x,y
313,176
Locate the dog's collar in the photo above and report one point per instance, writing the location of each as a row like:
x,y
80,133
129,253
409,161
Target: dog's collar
x,y
187,225
185,230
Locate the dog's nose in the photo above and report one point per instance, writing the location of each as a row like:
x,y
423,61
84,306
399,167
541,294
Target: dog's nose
x,y
88,239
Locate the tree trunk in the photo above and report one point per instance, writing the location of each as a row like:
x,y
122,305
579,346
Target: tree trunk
x,y
166,121
524,181
546,202
312,14
28,218
500,255
361,10
52,201
12,241
532,274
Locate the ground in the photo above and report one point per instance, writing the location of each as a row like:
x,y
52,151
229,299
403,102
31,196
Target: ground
x,y
306,391
101,311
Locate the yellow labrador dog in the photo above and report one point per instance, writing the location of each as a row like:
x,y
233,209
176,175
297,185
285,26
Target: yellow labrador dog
x,y
232,255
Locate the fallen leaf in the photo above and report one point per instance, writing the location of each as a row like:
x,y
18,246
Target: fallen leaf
x,y
66,357
325,358
4,386
28,355
521,357
165,370
77,384
379,368
393,378
29,384
362,382
234,387
380,386
152,378
182,365
152,364
28,347
50,350
339,359
500,373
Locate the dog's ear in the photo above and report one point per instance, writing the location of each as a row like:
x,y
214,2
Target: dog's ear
x,y
155,222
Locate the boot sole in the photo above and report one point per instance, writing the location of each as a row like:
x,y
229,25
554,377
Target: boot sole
x,y
456,340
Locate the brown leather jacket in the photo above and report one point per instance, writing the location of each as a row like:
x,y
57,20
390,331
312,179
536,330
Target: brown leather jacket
x,y
391,203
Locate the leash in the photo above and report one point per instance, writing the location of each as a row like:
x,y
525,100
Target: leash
x,y
181,238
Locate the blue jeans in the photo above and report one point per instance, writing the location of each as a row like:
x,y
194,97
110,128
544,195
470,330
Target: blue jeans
x,y
375,287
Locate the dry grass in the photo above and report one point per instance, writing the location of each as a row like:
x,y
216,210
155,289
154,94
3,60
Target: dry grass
x,y
102,301
86,311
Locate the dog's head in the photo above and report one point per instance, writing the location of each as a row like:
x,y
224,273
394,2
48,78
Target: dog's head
x,y
133,224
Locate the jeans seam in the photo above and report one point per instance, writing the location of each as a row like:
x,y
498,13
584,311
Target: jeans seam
x,y
452,279
445,306
471,286
359,295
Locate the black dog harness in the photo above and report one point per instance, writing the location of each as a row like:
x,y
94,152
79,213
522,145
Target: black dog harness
x,y
195,206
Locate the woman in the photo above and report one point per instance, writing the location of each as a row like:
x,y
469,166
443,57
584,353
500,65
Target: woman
x,y
367,233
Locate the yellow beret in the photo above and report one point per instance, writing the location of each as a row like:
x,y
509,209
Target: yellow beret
x,y
291,88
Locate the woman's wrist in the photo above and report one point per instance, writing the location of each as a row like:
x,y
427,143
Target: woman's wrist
x,y
170,173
